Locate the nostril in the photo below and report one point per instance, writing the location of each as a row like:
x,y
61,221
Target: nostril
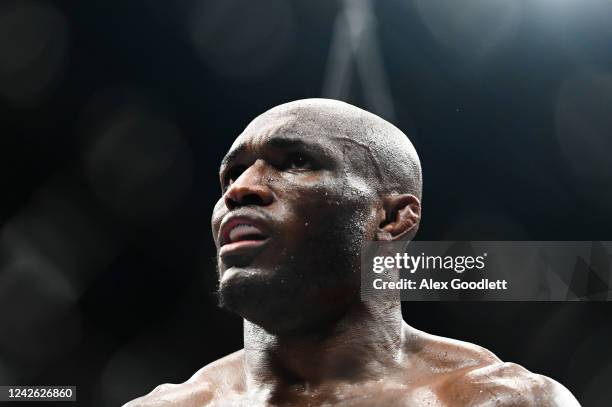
x,y
251,199
233,202
230,203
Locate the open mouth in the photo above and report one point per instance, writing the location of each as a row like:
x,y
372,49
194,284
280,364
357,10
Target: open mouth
x,y
240,236
243,232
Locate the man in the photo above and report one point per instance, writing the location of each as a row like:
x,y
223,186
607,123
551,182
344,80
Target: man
x,y
302,187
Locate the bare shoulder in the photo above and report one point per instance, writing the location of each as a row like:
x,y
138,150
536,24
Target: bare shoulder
x,y
465,374
201,389
442,355
507,384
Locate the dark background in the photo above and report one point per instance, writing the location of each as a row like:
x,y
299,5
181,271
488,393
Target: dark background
x,y
115,115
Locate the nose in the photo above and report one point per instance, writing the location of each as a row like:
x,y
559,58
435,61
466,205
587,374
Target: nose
x,y
249,188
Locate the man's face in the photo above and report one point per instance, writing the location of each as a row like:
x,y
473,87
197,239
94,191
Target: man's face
x,y
290,223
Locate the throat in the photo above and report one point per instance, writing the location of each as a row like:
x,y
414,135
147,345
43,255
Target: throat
x,y
365,345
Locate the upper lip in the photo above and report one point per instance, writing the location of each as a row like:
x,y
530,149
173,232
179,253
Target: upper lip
x,y
240,219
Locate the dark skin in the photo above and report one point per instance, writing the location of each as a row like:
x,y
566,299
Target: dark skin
x,y
292,272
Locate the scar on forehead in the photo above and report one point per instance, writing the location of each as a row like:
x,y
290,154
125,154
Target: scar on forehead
x,y
366,147
273,126
272,135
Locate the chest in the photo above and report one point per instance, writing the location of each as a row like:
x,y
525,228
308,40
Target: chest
x,y
367,396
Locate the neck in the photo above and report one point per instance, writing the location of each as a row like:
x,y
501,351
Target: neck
x,y
364,344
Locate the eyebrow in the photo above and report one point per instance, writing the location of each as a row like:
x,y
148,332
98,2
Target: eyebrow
x,y
231,156
282,143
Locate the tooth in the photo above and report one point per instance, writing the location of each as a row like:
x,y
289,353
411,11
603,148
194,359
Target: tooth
x,y
241,230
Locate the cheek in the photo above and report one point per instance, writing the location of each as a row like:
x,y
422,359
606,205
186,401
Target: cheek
x,y
217,215
328,208
309,201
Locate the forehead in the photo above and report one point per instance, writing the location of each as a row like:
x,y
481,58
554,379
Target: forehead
x,y
282,130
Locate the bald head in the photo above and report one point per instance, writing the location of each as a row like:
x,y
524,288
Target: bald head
x,y
311,176
381,152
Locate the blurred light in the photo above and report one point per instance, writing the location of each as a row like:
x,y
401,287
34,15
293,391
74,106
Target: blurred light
x,y
5,373
584,125
58,226
581,28
33,47
241,38
138,368
138,164
355,46
472,27
37,310
51,252
125,375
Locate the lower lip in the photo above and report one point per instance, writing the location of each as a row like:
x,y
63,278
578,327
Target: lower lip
x,y
241,247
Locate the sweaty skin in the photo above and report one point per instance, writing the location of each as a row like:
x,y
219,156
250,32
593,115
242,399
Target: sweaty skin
x,y
303,187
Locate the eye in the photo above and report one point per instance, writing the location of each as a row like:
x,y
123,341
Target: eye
x,y
232,175
298,161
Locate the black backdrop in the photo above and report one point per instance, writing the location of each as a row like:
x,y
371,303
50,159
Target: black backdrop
x,y
115,115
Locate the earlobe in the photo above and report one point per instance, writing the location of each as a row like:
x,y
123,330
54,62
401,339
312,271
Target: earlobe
x,y
402,217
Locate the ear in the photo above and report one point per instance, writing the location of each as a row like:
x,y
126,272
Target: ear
x,y
401,217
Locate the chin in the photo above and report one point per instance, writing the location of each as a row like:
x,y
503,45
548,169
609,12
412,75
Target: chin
x,y
278,302
235,274
243,289
263,298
